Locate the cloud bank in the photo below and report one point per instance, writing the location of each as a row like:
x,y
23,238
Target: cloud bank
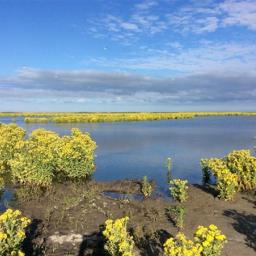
x,y
85,86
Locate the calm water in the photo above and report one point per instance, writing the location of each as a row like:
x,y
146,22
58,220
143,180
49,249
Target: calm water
x,y
135,149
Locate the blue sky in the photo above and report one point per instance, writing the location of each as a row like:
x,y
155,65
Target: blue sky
x,y
143,55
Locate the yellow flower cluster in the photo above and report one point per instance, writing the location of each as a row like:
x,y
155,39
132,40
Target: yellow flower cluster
x,y
235,172
227,182
179,190
12,232
119,242
211,240
75,155
181,246
208,241
242,163
10,137
45,156
33,164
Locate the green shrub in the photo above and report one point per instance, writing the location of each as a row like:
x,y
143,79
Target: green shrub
x,y
179,190
169,169
205,170
147,188
178,214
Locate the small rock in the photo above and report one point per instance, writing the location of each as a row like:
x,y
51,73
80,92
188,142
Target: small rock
x,y
61,239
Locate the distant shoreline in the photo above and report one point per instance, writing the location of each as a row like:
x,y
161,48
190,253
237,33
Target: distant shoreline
x,y
96,117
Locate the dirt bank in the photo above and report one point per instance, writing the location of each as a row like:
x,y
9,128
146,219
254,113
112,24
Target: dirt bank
x,y
68,219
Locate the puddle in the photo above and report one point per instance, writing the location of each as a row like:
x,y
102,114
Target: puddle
x,y
135,196
123,196
6,196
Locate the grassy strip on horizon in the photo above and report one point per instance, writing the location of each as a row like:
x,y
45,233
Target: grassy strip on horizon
x,y
74,117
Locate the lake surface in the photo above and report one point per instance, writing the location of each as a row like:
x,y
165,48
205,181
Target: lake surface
x,y
135,149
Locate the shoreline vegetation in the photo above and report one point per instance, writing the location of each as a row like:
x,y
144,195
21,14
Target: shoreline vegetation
x,y
95,117
45,157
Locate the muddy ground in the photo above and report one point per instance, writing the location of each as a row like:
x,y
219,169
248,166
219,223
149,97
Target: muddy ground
x,y
68,218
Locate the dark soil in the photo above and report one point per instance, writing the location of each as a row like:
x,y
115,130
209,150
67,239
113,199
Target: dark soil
x,y
68,219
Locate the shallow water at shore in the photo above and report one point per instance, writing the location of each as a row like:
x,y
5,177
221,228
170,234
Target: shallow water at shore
x,y
135,149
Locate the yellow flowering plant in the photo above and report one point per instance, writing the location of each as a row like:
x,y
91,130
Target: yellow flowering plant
x,y
227,184
119,242
179,190
45,157
243,164
181,246
10,138
75,155
12,232
210,239
34,164
235,172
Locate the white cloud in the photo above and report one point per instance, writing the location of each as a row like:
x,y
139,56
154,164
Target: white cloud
x,y
146,5
238,12
129,26
141,20
196,17
184,23
206,57
209,24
